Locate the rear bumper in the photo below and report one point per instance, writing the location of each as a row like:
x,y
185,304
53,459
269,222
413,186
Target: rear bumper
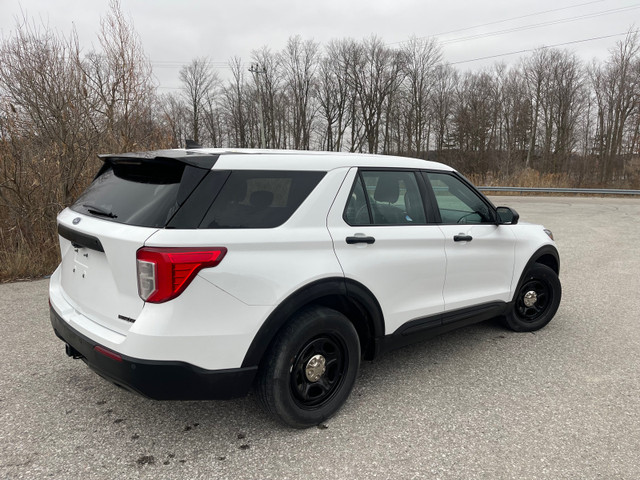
x,y
159,380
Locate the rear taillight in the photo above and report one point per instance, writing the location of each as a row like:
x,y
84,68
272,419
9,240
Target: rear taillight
x,y
164,273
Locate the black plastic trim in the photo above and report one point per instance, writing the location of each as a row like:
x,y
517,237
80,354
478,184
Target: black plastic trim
x,y
191,213
159,380
462,238
360,297
538,254
428,327
281,315
79,239
428,199
356,239
370,306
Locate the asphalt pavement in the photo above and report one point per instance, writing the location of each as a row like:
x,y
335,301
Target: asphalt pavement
x,y
478,403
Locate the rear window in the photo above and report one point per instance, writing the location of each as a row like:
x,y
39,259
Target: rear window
x,y
143,193
259,199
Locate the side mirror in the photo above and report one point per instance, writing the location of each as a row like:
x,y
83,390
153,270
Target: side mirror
x,y
507,216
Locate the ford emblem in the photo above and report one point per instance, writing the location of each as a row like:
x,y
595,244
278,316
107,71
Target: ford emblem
x,y
76,220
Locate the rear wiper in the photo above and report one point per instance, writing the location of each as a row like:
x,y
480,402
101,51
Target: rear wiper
x,y
92,209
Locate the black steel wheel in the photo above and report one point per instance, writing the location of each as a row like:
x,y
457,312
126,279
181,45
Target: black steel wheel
x,y
311,368
318,370
533,300
536,301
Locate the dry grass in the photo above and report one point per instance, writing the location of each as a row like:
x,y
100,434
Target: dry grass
x,y
530,178
527,178
20,260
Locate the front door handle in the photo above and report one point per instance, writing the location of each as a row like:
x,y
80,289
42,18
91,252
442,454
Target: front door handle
x,y
360,239
462,238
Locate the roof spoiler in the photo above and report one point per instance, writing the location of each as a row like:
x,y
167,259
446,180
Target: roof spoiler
x,y
196,159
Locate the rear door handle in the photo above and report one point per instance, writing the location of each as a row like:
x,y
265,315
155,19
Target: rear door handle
x,y
462,238
367,240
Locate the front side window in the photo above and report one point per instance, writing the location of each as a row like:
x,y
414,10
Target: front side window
x,y
385,198
457,202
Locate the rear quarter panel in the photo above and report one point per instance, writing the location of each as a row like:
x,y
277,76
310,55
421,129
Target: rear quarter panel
x,y
264,266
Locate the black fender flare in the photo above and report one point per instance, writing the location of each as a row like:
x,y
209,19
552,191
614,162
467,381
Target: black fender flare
x,y
545,251
547,255
351,292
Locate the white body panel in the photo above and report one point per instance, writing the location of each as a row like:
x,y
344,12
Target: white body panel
x,y
481,270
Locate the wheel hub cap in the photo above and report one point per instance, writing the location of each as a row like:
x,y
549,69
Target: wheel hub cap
x,y
530,298
315,368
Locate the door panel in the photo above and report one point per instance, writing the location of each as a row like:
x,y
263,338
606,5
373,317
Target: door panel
x,y
403,264
480,254
479,270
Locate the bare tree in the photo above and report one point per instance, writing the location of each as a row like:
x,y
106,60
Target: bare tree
x,y
617,91
198,83
536,73
60,109
442,104
47,141
474,122
212,120
569,98
333,94
300,62
376,72
48,97
420,59
515,114
270,93
234,104
59,106
119,81
174,117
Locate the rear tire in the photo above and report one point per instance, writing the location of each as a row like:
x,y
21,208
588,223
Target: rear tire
x,y
536,301
311,368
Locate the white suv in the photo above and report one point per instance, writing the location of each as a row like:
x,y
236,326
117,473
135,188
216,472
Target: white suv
x,y
197,274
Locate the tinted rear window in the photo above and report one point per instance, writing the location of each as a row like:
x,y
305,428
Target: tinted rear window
x,y
139,193
259,199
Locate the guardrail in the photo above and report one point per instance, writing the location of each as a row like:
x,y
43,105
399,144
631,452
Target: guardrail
x,y
588,191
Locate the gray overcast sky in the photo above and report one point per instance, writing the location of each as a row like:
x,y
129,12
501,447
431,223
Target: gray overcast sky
x,y
174,32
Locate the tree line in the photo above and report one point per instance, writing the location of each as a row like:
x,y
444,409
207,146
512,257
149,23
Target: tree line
x,y
549,118
549,112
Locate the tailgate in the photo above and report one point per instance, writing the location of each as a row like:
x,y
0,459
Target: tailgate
x,y
98,269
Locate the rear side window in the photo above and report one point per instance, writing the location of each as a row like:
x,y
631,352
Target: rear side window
x,y
259,199
143,193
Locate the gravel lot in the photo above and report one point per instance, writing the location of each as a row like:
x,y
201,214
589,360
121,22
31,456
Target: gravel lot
x,y
482,402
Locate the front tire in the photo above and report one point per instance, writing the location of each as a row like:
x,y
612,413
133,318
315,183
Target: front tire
x,y
311,368
536,301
